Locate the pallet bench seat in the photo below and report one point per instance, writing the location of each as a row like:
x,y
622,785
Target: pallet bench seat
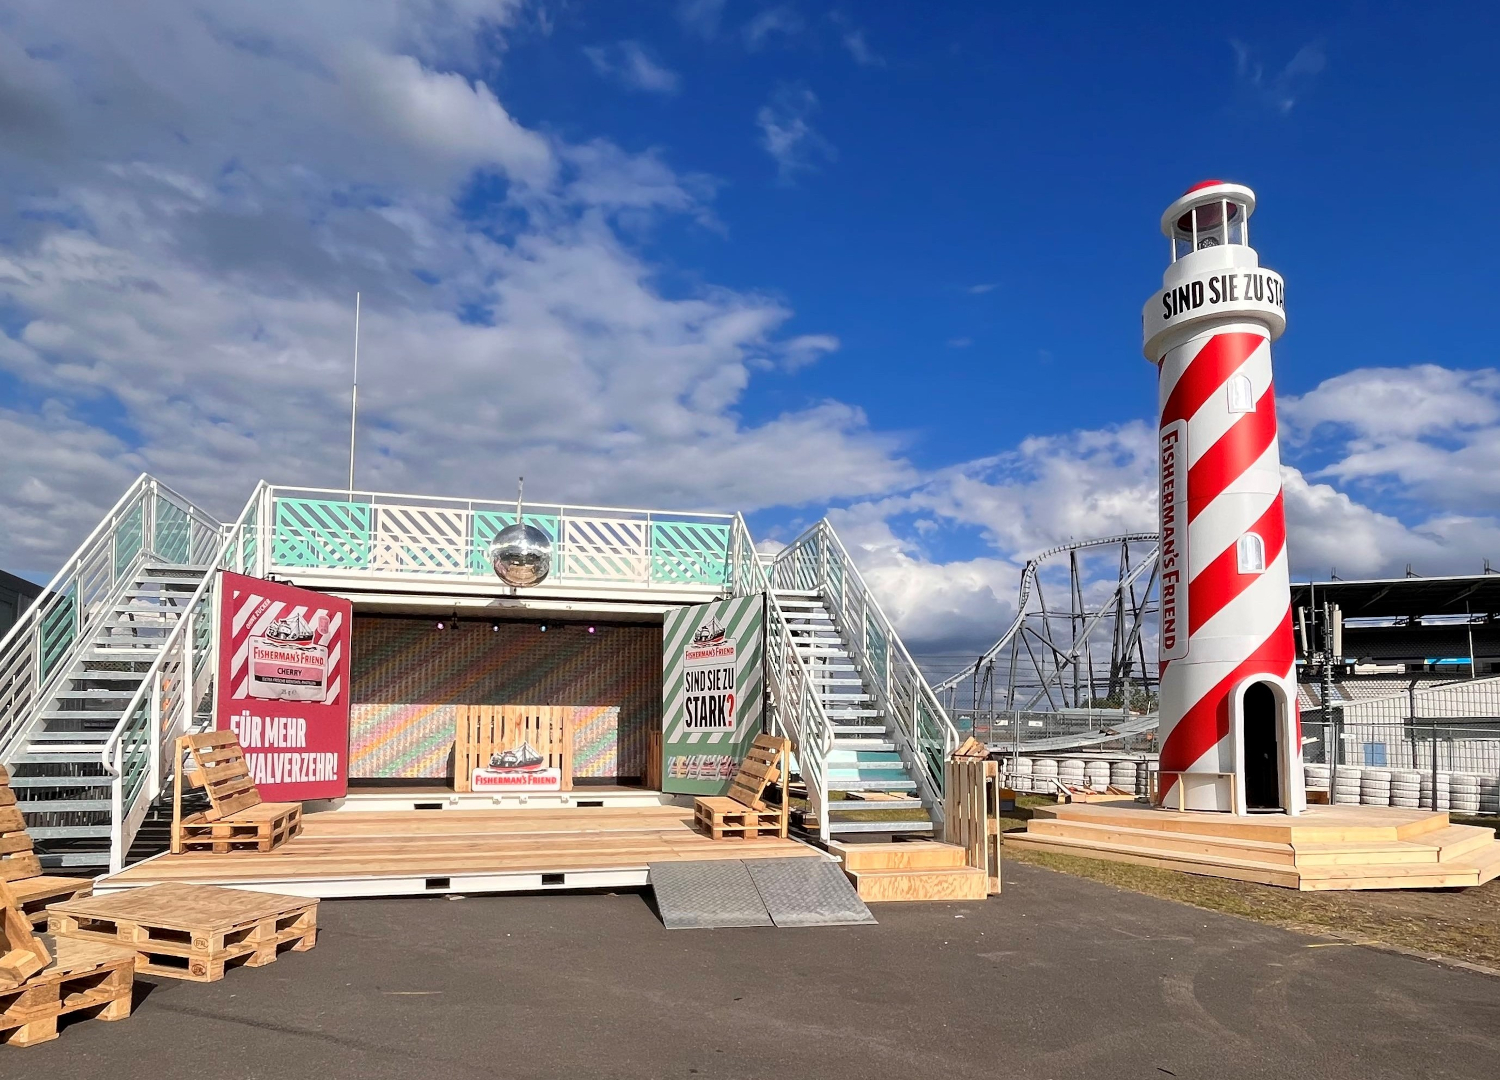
x,y
743,813
192,932
22,870
80,976
237,819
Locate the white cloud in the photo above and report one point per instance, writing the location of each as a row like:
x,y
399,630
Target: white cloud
x,y
982,288
627,63
787,133
195,200
701,16
779,21
960,342
1280,88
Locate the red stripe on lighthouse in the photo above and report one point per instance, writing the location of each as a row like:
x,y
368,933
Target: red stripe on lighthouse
x,y
1221,581
1236,450
1207,372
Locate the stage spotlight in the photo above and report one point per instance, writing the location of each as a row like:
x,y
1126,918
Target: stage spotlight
x,y
441,625
591,629
544,628
495,627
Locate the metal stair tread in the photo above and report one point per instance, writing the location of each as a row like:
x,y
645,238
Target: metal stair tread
x,y
920,825
850,806
102,780
65,832
63,806
872,785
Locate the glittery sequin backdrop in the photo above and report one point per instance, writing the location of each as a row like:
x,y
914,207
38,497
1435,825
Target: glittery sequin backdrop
x,y
407,676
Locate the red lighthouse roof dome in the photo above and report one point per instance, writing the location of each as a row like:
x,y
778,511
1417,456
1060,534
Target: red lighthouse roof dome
x,y
1201,184
1241,202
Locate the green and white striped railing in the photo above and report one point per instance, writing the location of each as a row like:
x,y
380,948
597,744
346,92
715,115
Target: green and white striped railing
x,y
316,532
150,522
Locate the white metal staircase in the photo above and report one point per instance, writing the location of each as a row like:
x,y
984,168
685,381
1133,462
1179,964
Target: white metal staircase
x,y
871,788
109,660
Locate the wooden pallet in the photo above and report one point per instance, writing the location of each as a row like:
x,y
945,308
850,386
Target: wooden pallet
x,y
22,955
260,828
724,818
971,813
82,975
192,932
237,819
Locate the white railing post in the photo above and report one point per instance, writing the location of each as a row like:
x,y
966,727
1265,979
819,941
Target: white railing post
x,y
153,761
116,812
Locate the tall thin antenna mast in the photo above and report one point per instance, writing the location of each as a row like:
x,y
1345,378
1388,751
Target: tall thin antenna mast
x,y
354,395
520,490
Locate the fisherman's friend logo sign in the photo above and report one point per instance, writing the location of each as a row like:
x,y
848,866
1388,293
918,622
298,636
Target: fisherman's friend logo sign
x,y
283,685
712,686
708,679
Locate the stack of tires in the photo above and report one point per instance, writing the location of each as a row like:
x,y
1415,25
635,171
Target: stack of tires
x,y
1425,797
1071,772
1406,788
1018,773
1043,772
1489,795
1463,793
1143,778
1096,773
1315,776
1346,786
1375,787
1122,775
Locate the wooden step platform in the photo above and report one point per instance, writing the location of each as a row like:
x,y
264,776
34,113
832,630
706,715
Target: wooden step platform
x,y
910,870
1326,848
82,976
191,932
434,852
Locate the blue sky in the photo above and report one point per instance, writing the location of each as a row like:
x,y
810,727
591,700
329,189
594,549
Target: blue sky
x,y
885,260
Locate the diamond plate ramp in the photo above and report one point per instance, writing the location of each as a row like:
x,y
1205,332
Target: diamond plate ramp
x,y
807,892
708,893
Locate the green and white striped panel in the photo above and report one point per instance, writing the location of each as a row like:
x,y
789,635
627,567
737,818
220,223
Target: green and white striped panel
x,y
703,762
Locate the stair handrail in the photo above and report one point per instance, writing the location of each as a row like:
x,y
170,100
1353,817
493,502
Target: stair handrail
x,y
190,649
796,709
89,582
818,560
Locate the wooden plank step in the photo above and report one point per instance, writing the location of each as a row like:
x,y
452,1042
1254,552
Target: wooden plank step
x,y
905,855
83,976
1264,873
950,883
1077,845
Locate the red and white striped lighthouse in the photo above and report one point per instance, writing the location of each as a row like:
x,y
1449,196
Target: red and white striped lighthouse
x,y
1231,740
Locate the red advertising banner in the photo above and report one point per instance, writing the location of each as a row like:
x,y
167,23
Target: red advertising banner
x,y
283,685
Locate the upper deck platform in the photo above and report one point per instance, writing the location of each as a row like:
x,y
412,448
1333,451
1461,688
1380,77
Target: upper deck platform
x,y
372,542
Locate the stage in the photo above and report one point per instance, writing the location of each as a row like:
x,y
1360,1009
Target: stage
x,y
1325,848
464,844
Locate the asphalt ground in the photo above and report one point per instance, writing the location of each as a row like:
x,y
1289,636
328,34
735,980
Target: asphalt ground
x,y
1060,977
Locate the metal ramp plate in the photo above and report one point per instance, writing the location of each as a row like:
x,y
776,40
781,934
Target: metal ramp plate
x,y
706,894
807,892
755,892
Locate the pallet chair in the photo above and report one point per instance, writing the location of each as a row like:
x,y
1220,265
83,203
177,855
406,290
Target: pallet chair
x,y
22,953
236,819
742,812
31,889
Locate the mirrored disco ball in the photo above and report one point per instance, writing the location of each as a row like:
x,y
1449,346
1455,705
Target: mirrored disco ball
x,y
521,555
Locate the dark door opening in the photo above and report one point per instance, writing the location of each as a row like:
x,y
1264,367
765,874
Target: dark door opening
x,y
1262,762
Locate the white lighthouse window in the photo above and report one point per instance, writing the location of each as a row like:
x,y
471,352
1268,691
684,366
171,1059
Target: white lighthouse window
x,y
1251,554
1241,394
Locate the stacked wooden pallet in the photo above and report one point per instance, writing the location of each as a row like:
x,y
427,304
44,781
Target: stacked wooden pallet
x,y
743,813
724,819
22,870
192,932
41,979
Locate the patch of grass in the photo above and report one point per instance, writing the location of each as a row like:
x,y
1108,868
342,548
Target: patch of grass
x,y
1462,924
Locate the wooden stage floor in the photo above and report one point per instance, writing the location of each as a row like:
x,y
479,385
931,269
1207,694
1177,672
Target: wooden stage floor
x,y
1326,848
426,852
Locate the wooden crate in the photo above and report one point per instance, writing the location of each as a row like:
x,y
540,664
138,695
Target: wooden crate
x,y
724,818
971,812
83,975
192,932
261,828
482,730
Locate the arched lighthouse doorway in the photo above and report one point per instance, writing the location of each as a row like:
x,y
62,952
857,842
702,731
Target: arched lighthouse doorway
x,y
1262,749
